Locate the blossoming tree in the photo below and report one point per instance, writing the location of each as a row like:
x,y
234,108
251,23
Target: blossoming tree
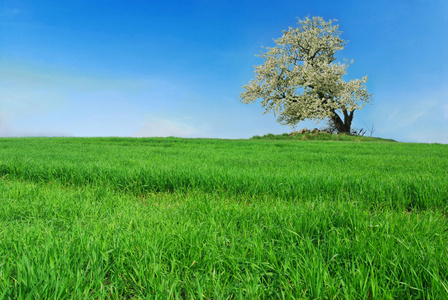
x,y
300,79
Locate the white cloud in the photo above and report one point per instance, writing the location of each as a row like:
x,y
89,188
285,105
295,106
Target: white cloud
x,y
159,127
412,117
436,136
5,128
29,92
8,130
9,12
407,116
445,111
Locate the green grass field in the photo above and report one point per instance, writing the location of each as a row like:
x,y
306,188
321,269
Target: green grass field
x,y
269,217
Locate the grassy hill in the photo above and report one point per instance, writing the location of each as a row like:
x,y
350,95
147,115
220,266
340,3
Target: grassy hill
x,y
171,218
320,136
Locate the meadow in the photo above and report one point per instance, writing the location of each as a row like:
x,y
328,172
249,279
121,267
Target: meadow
x,y
264,218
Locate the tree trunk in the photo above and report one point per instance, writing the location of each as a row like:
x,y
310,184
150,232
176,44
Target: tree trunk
x,y
343,126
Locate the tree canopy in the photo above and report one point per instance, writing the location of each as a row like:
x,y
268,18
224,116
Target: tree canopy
x,y
300,79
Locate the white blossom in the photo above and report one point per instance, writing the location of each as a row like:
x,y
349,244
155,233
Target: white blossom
x,y
300,79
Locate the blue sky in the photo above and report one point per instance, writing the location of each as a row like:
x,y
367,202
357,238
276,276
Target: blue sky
x,y
176,68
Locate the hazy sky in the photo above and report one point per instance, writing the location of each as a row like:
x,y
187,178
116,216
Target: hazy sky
x,y
176,68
